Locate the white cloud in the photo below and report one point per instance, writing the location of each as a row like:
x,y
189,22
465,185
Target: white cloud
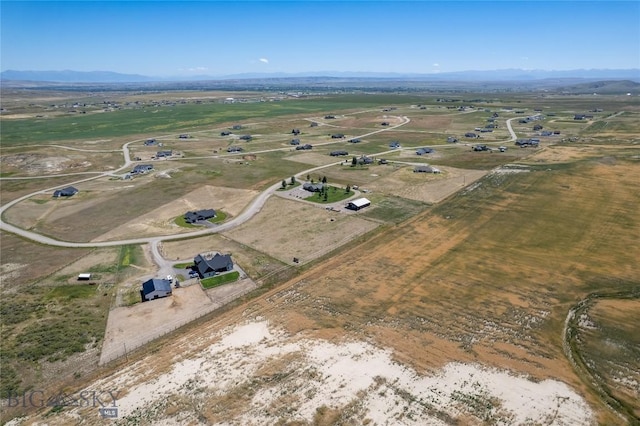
x,y
193,69
435,65
264,60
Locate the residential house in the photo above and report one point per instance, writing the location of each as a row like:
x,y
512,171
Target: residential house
x,y
304,147
451,139
364,160
394,144
296,131
246,138
198,215
337,136
470,135
422,151
65,192
150,142
354,140
237,127
481,148
155,288
163,154
225,133
295,142
184,136
141,169
208,267
338,153
329,117
313,187
425,169
234,149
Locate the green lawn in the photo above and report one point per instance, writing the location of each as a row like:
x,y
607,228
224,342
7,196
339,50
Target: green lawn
x,y
219,280
331,195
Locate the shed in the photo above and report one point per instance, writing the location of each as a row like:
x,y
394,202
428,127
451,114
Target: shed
x,y
155,288
358,204
425,169
84,277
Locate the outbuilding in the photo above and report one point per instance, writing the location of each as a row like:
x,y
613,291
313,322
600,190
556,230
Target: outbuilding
x,y
358,204
65,192
155,288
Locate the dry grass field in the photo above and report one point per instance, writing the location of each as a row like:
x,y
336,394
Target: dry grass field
x,y
454,310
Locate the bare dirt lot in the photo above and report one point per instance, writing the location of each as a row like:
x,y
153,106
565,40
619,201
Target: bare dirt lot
x,y
286,229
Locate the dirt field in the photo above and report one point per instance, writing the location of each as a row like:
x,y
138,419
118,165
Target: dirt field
x,y
160,220
305,231
130,327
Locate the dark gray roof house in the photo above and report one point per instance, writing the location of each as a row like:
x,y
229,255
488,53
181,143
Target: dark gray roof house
x,y
150,142
425,169
296,131
225,133
234,149
394,144
65,192
141,168
208,267
198,215
355,140
313,187
246,137
295,142
470,135
451,139
305,147
162,154
364,160
337,136
155,288
338,153
422,151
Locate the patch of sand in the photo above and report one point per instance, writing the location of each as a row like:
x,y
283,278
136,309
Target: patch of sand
x,y
362,382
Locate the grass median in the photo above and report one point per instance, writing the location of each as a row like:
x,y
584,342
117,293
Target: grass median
x,y
219,280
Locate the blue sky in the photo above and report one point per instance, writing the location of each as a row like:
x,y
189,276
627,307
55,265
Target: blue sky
x,y
170,38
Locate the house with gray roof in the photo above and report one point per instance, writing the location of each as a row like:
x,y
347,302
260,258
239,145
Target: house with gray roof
x,y
208,267
141,169
65,192
198,215
313,187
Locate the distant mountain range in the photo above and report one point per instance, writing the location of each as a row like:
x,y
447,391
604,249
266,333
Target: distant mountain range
x,y
68,76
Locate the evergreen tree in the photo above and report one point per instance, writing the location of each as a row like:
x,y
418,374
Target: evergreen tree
x,y
284,184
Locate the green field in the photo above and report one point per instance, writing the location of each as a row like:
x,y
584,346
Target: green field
x,y
219,280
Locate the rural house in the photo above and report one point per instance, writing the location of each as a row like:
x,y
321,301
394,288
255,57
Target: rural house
x,y
394,144
155,288
295,142
65,192
246,137
337,136
425,169
338,153
234,149
225,133
196,216
422,151
163,154
313,187
451,139
354,140
358,204
304,147
296,131
150,142
470,135
208,267
141,168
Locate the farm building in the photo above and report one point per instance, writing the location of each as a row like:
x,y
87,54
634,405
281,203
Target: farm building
x,y
208,267
196,216
155,288
84,276
313,187
358,204
65,192
425,169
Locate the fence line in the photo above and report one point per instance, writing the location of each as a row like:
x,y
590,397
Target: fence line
x,y
170,327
